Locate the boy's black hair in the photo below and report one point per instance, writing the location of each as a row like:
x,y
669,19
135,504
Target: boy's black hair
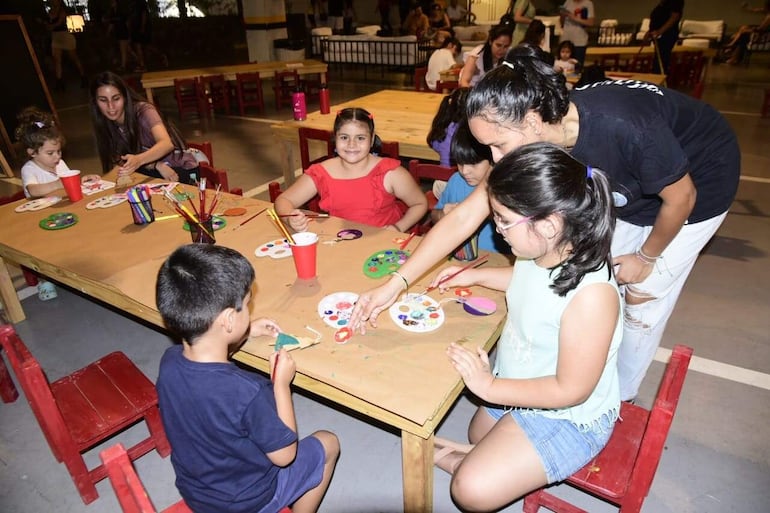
x,y
465,149
198,282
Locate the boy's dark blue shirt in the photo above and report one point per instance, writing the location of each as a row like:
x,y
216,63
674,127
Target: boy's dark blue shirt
x,y
221,421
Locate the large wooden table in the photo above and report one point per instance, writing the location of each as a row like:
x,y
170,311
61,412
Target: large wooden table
x,y
401,116
399,378
630,51
155,79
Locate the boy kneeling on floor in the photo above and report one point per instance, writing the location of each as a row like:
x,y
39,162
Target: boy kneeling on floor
x,y
233,434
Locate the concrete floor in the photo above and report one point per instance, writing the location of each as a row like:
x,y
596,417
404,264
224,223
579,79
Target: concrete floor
x,y
718,451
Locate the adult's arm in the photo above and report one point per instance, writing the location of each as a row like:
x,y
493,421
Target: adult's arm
x,y
469,69
678,202
518,12
670,22
448,233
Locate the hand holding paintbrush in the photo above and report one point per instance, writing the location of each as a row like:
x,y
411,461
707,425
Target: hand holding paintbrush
x,y
445,279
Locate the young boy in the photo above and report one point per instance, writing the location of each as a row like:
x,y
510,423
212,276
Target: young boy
x,y
474,162
232,433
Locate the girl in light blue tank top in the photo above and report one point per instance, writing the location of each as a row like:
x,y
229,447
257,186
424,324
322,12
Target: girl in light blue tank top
x,y
552,397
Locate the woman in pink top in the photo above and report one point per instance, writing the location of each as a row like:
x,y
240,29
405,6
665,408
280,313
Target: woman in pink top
x,y
357,184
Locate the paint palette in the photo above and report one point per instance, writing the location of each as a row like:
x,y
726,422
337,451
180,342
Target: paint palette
x,y
278,248
95,186
384,262
58,221
335,309
107,201
38,204
478,305
417,313
217,223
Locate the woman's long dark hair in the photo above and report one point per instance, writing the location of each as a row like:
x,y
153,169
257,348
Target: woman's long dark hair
x,y
540,179
522,83
110,142
451,110
494,33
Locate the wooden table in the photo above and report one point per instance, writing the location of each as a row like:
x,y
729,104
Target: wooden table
x,y
155,79
653,78
401,116
630,51
400,378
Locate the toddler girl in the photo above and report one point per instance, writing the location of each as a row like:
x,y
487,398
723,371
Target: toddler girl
x,y
565,63
552,398
357,185
43,141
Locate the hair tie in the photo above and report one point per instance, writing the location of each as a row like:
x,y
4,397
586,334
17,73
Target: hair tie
x,y
371,116
339,113
589,172
509,64
39,124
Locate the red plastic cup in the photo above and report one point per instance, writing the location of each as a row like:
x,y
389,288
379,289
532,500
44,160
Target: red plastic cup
x,y
304,251
70,179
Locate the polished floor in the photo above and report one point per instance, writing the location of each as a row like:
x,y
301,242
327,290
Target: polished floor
x,y
718,452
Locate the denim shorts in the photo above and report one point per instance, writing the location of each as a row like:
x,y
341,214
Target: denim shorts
x,y
304,474
563,448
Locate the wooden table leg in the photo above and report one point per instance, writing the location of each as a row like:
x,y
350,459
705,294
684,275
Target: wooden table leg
x,y
10,299
417,471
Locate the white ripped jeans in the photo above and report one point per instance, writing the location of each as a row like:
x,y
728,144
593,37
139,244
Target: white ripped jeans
x,y
644,323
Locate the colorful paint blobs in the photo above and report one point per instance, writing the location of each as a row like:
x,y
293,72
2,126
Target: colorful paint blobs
x,y
479,306
385,262
217,223
58,221
107,201
342,335
278,248
417,313
335,309
38,204
285,340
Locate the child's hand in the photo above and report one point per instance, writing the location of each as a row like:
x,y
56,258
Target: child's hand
x,y
283,367
464,279
264,326
472,367
448,207
298,222
167,172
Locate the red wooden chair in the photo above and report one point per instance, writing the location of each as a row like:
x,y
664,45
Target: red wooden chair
x,y
87,407
422,171
215,94
215,176
622,473
188,98
205,147
29,277
685,72
419,80
641,63
248,90
284,84
129,489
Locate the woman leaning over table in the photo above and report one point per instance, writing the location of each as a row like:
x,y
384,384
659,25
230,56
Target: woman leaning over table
x,y
133,137
673,163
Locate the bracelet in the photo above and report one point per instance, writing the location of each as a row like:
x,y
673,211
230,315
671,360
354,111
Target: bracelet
x,y
648,257
645,258
406,283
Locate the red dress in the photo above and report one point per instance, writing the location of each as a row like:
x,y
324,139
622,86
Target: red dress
x,y
363,200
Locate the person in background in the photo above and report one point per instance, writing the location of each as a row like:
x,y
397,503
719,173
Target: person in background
x,y
535,36
550,402
416,23
383,8
348,18
441,60
474,162
672,185
457,13
62,41
484,58
133,136
440,26
576,15
523,12
356,185
736,47
450,113
233,434
664,30
566,62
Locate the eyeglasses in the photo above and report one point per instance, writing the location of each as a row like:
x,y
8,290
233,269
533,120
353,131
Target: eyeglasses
x,y
500,229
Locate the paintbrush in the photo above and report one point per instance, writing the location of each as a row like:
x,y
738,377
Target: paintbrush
x,y
470,265
250,218
306,215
